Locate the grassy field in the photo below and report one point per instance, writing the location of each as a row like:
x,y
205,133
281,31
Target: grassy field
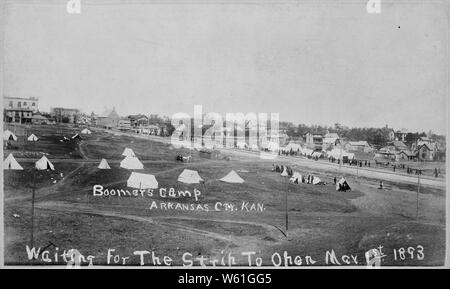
x,y
68,215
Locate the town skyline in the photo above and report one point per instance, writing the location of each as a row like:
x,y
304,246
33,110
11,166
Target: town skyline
x,y
284,123
385,69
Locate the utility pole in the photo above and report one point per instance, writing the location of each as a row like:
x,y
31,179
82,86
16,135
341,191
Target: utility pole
x,y
32,210
286,206
417,200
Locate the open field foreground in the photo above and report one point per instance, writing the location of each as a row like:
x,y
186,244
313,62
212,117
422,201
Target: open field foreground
x,y
78,206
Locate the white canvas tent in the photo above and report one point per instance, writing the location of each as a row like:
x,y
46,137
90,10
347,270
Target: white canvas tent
x,y
128,153
86,131
10,163
104,165
294,147
232,177
142,181
189,177
8,135
131,163
336,153
316,181
342,185
44,164
296,177
284,173
32,137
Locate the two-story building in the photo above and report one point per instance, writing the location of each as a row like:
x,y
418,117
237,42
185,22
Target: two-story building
x,y
314,140
108,119
138,120
65,115
18,109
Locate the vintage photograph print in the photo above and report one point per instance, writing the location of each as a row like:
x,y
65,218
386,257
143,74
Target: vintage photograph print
x,y
224,133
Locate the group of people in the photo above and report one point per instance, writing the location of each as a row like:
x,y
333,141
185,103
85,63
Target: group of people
x,y
183,159
298,178
281,169
413,171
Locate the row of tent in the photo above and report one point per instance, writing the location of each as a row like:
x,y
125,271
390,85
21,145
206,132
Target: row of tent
x,y
148,181
43,163
187,176
297,178
10,136
334,153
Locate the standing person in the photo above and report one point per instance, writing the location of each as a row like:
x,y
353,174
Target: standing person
x,y
335,180
394,168
381,185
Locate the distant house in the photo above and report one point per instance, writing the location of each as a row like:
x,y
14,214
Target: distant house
x,y
124,124
398,145
108,119
314,140
421,141
390,133
400,135
138,120
405,155
151,129
65,115
361,146
426,152
387,152
330,140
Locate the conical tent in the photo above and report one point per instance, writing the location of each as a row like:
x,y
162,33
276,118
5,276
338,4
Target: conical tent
x,y
44,164
189,177
342,185
232,177
10,163
8,135
86,131
284,173
142,181
128,153
32,137
296,177
131,163
104,165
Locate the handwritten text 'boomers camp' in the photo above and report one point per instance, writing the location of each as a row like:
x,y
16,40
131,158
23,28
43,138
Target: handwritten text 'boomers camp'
x,y
172,193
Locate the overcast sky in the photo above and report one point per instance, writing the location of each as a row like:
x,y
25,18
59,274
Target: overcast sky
x,y
312,63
